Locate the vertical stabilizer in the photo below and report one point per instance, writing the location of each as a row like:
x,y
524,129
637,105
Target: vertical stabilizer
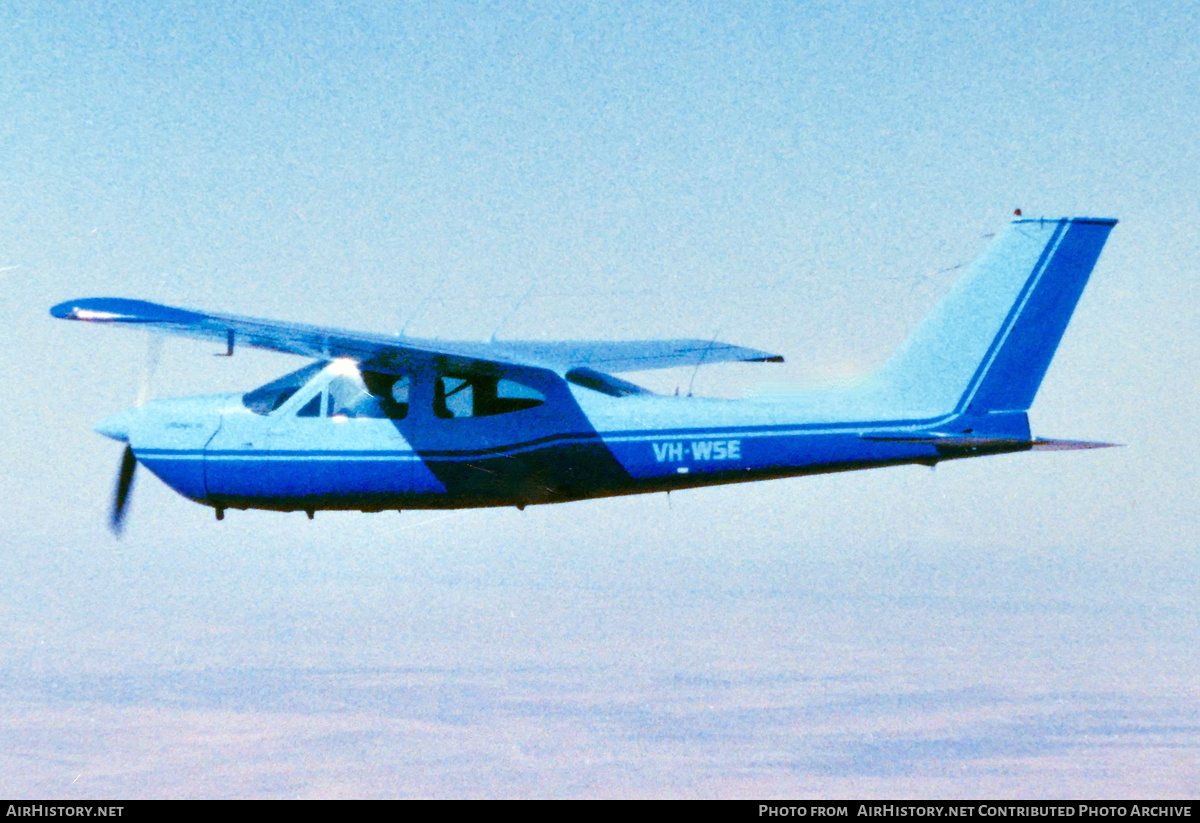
x,y
986,347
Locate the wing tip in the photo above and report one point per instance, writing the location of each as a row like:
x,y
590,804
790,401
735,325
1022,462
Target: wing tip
x,y
122,310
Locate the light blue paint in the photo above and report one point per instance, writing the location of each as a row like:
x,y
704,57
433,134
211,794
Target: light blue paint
x,y
959,387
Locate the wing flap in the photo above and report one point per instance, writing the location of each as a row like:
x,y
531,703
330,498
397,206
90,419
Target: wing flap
x,y
633,355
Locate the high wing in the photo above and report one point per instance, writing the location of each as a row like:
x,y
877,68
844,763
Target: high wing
x,y
383,352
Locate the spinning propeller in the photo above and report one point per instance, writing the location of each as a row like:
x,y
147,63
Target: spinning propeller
x,y
116,519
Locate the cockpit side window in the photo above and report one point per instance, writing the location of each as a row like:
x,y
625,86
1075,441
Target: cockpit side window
x,y
464,395
349,398
351,394
270,397
312,408
390,391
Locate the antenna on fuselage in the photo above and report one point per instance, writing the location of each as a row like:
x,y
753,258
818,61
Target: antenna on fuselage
x,y
414,313
700,362
492,337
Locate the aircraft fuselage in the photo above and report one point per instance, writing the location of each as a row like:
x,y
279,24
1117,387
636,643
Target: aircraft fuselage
x,y
578,443
395,423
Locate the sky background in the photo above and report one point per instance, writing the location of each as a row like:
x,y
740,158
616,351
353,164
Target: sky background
x,y
802,178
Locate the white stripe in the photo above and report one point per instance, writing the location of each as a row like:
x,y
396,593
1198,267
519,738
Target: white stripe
x,y
966,404
284,457
787,432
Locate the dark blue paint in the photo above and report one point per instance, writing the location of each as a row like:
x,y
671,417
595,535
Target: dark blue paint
x,y
1013,378
219,452
185,476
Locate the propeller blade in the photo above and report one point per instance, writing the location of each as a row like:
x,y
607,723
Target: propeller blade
x,y
121,497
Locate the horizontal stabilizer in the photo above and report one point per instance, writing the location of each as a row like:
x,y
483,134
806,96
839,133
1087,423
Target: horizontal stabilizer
x,y
967,443
1071,445
958,441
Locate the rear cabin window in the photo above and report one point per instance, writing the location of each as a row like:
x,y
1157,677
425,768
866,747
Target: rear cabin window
x,y
459,396
603,383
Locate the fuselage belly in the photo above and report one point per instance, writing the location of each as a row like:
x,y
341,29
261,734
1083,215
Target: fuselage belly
x,y
241,461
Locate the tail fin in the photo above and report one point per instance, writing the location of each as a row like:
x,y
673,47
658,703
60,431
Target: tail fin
x,y
985,349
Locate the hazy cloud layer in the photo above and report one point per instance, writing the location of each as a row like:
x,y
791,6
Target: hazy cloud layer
x,y
802,179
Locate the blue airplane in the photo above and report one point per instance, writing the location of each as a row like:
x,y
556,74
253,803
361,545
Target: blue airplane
x,y
390,422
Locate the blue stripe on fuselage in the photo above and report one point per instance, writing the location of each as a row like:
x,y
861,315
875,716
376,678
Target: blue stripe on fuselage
x,y
657,458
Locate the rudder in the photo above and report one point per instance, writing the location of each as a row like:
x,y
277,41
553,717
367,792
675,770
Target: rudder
x,y
986,347
1008,379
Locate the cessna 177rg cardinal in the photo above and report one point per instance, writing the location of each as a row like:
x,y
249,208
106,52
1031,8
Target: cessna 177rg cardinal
x,y
386,422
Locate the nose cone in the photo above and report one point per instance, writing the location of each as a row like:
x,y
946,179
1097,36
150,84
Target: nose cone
x,y
118,426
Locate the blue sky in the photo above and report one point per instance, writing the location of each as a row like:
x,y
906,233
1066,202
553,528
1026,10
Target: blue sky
x,y
800,179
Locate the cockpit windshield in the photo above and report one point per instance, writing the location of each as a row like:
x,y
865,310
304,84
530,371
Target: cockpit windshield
x,y
268,398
